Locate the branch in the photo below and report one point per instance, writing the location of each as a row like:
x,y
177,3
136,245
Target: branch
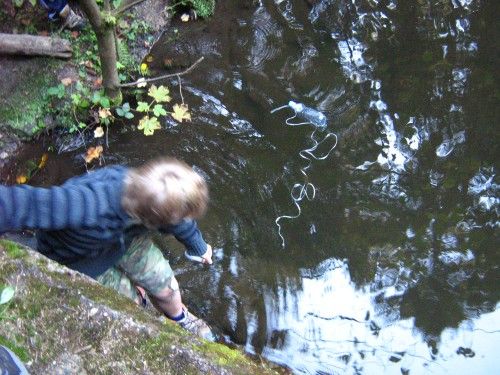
x,y
91,10
131,84
127,4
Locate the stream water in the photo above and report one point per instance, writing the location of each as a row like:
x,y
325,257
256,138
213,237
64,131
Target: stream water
x,y
392,266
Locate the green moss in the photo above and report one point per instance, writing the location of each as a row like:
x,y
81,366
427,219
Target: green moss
x,y
225,356
21,352
23,108
14,250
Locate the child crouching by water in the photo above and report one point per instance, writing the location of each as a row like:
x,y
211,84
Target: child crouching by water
x,y
100,224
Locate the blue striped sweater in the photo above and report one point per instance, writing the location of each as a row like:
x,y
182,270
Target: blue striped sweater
x,y
81,223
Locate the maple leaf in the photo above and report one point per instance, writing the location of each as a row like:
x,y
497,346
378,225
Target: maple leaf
x,y
148,125
160,94
181,112
93,153
98,132
142,107
158,110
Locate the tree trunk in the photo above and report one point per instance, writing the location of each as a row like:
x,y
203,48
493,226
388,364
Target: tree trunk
x,y
108,58
32,45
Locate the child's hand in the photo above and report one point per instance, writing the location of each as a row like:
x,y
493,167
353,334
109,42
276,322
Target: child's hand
x,y
207,257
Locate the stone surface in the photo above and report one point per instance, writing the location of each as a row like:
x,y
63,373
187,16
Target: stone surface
x,y
62,322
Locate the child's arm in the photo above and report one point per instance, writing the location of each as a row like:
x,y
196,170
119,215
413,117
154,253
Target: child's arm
x,y
58,207
189,235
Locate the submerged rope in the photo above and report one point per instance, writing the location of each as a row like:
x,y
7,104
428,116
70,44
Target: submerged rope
x,y
306,189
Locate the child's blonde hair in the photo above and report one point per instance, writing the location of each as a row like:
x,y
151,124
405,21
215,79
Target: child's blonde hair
x,y
164,191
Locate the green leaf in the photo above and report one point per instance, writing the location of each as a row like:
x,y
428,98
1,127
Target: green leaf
x,y
18,3
33,2
6,294
142,107
129,115
105,102
120,112
148,125
160,94
158,110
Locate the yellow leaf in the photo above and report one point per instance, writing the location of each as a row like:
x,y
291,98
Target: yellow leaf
x,y
43,161
144,68
98,132
66,81
104,113
93,153
21,179
181,112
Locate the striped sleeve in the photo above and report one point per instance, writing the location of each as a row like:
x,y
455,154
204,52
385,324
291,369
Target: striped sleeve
x,y
189,235
58,207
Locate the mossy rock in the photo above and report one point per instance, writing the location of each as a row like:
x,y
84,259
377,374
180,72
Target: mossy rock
x,y
61,321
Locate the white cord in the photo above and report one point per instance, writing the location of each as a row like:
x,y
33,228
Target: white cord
x,y
305,190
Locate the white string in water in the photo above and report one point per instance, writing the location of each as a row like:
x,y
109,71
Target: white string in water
x,y
307,189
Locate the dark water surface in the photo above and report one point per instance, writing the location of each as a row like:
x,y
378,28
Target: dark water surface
x,y
393,266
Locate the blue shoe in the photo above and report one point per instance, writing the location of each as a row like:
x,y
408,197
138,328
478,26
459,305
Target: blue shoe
x,y
10,364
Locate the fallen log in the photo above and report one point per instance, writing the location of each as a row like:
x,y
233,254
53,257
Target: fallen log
x,y
34,45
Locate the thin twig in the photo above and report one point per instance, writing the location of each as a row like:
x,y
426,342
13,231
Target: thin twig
x,y
126,6
180,89
132,84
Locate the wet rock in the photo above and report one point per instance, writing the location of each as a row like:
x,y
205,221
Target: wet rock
x,y
62,322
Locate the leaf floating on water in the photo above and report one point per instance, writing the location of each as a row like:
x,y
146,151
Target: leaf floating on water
x,y
98,132
181,112
93,153
21,179
185,17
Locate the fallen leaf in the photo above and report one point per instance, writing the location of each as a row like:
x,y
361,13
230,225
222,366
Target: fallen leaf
x,y
168,61
141,82
97,82
93,153
66,81
43,33
25,21
185,17
21,179
75,34
88,64
43,161
181,112
98,132
149,58
104,112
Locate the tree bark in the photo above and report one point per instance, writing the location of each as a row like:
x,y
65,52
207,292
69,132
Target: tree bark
x,y
32,45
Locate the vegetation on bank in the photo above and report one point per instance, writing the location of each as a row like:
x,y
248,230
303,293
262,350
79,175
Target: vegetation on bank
x,y
52,318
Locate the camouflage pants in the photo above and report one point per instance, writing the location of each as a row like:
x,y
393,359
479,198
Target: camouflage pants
x,y
142,265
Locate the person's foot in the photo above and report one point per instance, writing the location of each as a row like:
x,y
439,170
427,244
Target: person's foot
x,y
70,19
196,325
